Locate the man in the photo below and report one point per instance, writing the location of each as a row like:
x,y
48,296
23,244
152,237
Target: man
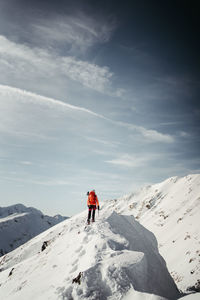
x,y
92,203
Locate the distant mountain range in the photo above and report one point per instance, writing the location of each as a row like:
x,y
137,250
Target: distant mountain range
x,y
19,223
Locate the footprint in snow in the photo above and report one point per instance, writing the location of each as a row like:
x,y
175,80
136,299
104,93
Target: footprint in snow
x,y
74,262
85,240
54,266
82,252
79,249
73,269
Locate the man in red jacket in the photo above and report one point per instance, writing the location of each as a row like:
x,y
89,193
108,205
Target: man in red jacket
x,y
92,203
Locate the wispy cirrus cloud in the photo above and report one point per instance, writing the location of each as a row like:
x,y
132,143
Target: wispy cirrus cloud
x,y
150,134
155,135
21,61
103,142
24,97
77,32
132,161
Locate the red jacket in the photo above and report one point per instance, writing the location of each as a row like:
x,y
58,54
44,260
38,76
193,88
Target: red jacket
x,y
92,199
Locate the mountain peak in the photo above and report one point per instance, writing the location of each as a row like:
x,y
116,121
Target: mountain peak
x,y
19,223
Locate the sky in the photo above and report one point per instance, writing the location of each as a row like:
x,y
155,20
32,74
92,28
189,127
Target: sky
x,y
97,95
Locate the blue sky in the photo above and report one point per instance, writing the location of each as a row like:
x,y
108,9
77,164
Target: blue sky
x,y
97,95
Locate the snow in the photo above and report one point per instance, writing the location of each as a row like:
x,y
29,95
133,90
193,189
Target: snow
x,y
116,256
192,297
141,296
170,210
12,217
19,223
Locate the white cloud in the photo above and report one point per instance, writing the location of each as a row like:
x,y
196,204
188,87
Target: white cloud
x,y
28,116
77,33
184,134
89,75
20,61
155,135
26,163
24,97
149,134
103,142
131,161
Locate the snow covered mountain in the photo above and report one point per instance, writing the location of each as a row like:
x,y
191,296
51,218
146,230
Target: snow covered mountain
x,y
171,210
19,223
114,258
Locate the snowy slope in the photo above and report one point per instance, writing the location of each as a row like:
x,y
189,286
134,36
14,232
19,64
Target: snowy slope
x,y
19,223
117,256
171,210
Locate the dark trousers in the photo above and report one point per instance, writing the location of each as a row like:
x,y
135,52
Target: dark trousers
x,y
91,210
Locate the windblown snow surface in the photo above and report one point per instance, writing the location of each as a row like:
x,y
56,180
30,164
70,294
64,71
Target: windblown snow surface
x,y
19,223
171,210
115,258
116,255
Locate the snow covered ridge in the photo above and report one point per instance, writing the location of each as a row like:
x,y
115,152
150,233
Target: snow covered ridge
x,y
19,223
114,258
171,210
